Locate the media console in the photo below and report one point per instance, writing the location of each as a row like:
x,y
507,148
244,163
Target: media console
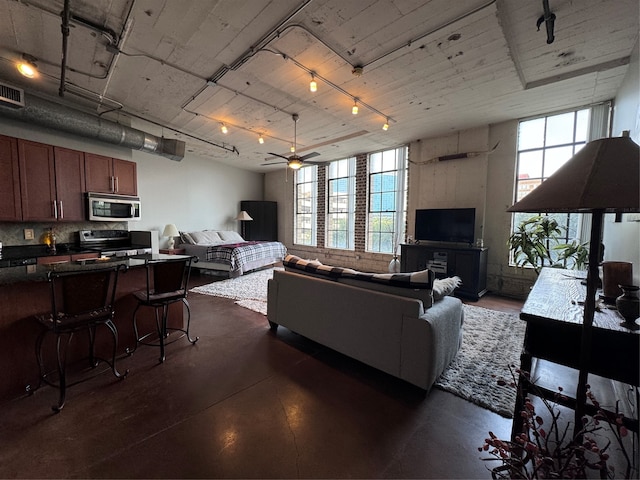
x,y
468,263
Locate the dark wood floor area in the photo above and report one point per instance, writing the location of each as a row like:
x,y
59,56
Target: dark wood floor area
x,y
244,403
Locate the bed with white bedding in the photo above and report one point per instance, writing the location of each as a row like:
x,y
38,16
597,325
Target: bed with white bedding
x,y
226,251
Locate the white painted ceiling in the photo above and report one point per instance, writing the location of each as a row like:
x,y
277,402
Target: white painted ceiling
x,y
430,66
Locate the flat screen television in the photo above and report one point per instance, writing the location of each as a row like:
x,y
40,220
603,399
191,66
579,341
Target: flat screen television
x,y
446,225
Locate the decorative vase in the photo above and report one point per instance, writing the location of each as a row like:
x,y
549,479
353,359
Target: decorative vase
x,y
394,265
628,304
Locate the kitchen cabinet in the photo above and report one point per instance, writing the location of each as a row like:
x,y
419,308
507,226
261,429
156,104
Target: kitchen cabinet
x,y
110,175
468,263
51,182
10,202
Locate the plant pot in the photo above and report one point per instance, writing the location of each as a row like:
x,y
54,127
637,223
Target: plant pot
x,y
628,305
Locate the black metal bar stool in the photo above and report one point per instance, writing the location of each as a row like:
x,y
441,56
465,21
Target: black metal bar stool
x,y
167,283
80,300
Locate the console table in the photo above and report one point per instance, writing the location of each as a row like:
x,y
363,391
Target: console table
x,y
553,312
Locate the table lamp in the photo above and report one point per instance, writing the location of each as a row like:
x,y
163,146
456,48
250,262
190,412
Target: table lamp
x,y
171,231
603,177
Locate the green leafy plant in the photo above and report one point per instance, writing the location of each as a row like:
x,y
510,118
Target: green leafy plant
x,y
534,240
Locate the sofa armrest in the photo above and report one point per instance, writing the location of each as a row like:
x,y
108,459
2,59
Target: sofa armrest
x,y
443,336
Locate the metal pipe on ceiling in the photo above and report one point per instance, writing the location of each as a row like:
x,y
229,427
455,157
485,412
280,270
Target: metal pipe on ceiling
x,y
64,27
58,117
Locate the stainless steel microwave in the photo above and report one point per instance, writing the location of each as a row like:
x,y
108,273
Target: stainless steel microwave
x,y
113,208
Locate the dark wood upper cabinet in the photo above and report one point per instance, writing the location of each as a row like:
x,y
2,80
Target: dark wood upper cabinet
x,y
110,175
70,184
10,203
51,182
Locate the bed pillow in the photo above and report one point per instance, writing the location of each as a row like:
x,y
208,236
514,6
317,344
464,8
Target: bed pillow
x,y
186,238
205,238
229,236
445,286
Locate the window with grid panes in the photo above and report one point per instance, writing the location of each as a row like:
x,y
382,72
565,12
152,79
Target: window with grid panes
x,y
544,145
387,203
340,203
304,222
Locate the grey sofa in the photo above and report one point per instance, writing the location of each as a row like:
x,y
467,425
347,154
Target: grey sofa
x,y
370,318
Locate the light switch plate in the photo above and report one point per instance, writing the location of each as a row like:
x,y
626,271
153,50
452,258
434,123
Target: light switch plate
x,y
28,233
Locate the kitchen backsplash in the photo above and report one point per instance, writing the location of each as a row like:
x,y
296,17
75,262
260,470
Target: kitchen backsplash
x,y
12,234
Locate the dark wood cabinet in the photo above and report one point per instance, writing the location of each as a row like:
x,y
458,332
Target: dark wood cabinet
x,y
10,202
264,225
51,182
110,175
70,184
469,263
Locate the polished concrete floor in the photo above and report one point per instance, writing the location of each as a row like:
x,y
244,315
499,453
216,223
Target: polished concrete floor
x,y
244,403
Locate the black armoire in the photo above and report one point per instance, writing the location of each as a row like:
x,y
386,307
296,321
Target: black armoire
x,y
264,225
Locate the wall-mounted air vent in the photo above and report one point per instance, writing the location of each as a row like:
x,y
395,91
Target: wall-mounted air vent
x,y
11,96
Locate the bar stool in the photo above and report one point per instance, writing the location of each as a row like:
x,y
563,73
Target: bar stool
x,y
167,283
80,300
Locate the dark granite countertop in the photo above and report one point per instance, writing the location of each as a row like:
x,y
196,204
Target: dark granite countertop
x,y
39,273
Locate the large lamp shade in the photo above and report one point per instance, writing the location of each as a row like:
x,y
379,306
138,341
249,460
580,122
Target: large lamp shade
x,y
603,177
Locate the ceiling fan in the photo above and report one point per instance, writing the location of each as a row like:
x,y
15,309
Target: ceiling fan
x,y
294,161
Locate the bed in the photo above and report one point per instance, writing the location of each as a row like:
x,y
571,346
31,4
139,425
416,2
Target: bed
x,y
224,251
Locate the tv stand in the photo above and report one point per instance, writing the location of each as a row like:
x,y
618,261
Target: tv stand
x,y
469,263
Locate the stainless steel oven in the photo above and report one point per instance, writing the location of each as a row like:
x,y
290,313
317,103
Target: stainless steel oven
x,y
112,208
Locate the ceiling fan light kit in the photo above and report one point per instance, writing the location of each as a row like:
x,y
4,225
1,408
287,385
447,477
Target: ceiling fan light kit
x,y
294,162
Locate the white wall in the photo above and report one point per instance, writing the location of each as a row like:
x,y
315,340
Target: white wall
x,y
622,240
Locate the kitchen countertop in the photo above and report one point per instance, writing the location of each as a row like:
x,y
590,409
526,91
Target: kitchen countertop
x,y
38,273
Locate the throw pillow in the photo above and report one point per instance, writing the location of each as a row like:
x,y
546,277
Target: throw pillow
x,y
445,286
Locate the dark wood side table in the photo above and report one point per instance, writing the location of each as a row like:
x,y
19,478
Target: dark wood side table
x,y
172,251
553,312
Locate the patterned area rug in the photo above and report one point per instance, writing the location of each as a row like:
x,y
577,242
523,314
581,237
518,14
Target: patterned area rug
x,y
492,341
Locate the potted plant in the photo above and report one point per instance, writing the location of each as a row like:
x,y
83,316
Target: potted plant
x,y
537,237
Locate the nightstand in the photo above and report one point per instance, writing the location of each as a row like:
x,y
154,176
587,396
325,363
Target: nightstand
x,y
173,251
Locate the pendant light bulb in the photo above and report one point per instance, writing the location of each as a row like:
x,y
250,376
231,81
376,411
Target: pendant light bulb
x,y
224,129
293,149
385,127
354,109
313,85
260,140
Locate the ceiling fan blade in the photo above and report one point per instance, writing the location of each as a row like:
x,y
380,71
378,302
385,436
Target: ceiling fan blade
x,y
309,155
277,155
274,163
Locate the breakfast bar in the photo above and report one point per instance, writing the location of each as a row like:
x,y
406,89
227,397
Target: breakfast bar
x,y
25,292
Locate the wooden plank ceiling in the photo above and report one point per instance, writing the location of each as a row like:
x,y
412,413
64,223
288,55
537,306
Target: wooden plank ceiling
x,y
430,67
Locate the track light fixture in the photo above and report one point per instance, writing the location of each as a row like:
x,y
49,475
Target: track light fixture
x,y
385,127
224,129
313,85
260,139
354,109
293,148
27,66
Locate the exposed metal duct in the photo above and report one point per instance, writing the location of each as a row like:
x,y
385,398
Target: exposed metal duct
x,y
52,115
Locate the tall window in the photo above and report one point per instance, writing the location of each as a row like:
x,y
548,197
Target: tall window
x,y
341,203
387,200
304,223
544,145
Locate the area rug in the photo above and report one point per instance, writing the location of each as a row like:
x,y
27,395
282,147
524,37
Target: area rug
x,y
249,290
492,341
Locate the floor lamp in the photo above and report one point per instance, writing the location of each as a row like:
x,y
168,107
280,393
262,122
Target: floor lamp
x,y
243,217
601,178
